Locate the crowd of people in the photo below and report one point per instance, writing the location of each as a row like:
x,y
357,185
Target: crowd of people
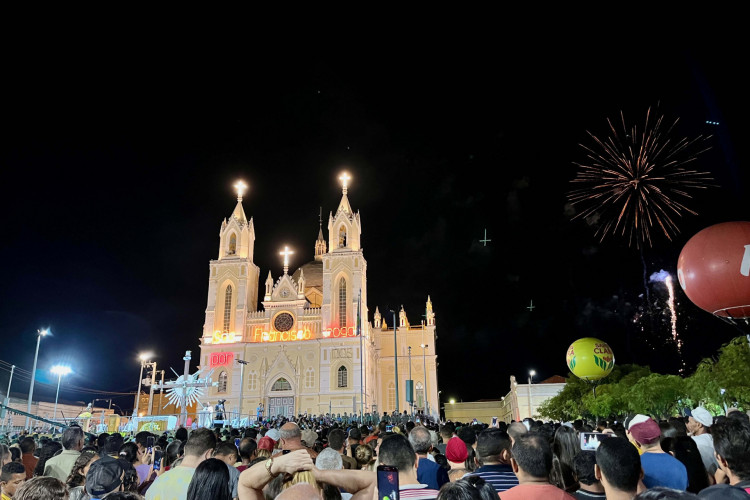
x,y
698,456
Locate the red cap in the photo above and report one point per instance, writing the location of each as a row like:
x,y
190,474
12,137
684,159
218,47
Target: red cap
x,y
266,443
456,450
645,432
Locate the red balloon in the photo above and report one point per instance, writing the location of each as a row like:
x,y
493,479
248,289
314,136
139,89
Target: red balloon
x,y
714,269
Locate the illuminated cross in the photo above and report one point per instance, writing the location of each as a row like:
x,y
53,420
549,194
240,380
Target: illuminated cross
x,y
531,306
344,179
241,187
485,240
286,253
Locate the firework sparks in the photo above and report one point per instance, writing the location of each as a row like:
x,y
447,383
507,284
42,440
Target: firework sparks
x,y
667,279
635,180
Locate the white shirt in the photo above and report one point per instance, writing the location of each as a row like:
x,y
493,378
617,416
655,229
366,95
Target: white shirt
x,y
705,444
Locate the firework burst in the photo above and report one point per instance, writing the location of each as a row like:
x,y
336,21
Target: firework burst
x,y
638,179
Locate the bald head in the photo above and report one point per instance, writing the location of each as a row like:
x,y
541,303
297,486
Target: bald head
x,y
290,436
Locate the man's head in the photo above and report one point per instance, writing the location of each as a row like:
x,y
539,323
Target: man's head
x,y
112,445
583,466
290,436
420,440
329,459
227,452
72,438
493,447
732,446
515,430
468,436
200,444
532,457
447,430
396,451
104,477
28,445
12,477
618,465
141,440
247,448
336,439
699,421
354,436
645,434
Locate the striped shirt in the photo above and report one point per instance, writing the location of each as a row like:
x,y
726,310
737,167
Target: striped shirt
x,y
500,476
417,492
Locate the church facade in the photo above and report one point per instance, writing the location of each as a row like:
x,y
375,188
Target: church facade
x,y
306,344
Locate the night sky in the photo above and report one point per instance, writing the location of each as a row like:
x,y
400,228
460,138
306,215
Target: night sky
x,y
118,171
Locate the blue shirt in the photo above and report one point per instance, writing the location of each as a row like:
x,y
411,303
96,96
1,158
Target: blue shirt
x,y
500,476
662,469
431,474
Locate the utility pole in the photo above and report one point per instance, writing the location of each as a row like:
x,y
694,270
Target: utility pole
x,y
151,389
395,355
242,385
411,383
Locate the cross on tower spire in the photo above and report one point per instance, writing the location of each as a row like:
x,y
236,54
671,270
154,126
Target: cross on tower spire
x,y
286,253
485,240
241,187
344,178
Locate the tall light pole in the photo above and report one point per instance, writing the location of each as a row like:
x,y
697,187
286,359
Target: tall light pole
x,y
395,355
59,370
411,402
424,362
40,334
242,385
531,376
151,388
144,357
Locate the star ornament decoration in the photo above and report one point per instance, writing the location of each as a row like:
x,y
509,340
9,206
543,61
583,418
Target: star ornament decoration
x,y
187,392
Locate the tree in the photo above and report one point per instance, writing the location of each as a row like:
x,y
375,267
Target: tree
x,y
657,395
730,371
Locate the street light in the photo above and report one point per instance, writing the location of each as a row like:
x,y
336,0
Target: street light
x,y
531,377
424,367
40,334
59,370
144,357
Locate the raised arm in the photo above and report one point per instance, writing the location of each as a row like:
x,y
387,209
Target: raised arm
x,y
360,483
253,479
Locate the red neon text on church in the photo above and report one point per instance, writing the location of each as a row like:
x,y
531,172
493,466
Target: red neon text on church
x,y
221,359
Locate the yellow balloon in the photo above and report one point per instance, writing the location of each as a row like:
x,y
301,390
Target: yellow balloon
x,y
590,359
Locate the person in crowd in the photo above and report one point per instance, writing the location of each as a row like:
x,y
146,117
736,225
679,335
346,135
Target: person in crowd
x,y
104,477
590,487
15,454
428,472
659,468
684,449
309,438
565,447
493,459
248,448
290,437
59,466
456,453
353,440
12,477
76,480
515,430
138,459
618,468
112,446
732,444
227,452
124,495
254,479
173,485
662,493
373,435
468,436
42,488
49,449
336,441
171,454
365,457
469,488
699,426
28,445
211,480
531,461
5,455
485,490
329,459
447,431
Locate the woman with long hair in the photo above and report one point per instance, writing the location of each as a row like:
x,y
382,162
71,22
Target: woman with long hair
x,y
211,480
137,459
49,450
76,481
565,447
685,449
171,454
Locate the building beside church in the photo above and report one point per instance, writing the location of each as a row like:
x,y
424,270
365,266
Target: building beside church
x,y
309,346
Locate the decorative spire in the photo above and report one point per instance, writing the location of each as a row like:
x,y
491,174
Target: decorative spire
x,y
286,253
344,205
320,243
239,212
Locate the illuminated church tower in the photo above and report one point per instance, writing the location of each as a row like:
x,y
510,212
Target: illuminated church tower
x,y
233,277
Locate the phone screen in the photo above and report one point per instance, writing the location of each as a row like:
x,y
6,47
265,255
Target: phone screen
x,y
150,441
590,440
157,460
387,482
494,421
237,442
388,428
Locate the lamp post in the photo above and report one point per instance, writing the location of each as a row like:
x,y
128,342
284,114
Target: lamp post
x,y
531,376
40,334
395,355
151,388
424,367
144,357
411,381
59,370
242,384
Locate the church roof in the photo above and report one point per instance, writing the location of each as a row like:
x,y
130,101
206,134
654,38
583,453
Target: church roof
x,y
239,213
345,206
313,274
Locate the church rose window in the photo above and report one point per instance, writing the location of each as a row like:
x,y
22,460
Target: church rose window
x,y
227,308
342,377
281,385
283,322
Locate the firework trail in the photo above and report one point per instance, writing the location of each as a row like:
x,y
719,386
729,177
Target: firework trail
x,y
667,279
636,179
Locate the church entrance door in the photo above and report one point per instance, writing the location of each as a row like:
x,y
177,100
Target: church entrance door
x,y
283,406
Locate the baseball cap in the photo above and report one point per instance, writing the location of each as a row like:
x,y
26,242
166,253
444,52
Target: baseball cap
x,y
645,432
266,443
638,419
274,434
104,476
702,415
